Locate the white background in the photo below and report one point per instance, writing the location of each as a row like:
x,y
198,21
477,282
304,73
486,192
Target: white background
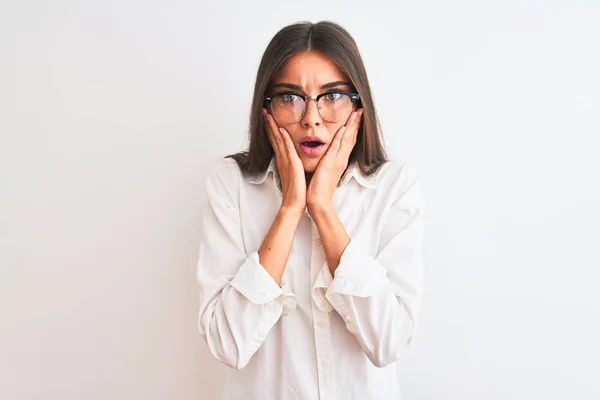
x,y
110,112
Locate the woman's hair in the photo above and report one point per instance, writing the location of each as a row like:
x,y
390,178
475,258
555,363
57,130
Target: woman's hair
x,y
337,44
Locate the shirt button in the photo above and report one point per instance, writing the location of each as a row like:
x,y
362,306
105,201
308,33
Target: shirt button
x,y
321,324
324,304
318,242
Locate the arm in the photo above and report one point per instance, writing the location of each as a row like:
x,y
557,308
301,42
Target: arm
x,y
275,249
240,295
378,297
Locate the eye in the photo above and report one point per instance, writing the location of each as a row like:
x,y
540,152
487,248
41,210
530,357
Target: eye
x,y
287,98
333,96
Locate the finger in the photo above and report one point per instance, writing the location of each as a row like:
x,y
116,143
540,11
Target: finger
x,y
270,132
349,140
357,121
334,147
289,145
343,134
275,137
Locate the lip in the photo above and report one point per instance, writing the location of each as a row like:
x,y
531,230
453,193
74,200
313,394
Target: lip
x,y
310,139
311,151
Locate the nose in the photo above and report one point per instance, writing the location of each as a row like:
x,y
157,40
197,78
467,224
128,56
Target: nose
x,y
311,115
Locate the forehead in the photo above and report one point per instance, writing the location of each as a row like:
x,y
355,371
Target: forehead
x,y
309,68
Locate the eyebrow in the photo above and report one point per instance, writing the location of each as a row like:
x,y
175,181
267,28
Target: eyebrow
x,y
325,86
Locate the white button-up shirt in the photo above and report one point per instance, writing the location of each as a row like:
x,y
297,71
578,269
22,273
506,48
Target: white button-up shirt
x,y
316,336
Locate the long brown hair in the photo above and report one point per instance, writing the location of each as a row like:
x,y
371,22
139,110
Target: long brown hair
x,y
336,43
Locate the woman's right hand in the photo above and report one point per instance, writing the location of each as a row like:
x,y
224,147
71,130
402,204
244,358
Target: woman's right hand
x,y
289,164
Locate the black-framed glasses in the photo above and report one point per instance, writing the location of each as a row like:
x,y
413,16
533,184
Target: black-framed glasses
x,y
333,106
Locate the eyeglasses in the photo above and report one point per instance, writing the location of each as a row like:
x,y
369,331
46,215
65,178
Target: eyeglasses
x,y
333,106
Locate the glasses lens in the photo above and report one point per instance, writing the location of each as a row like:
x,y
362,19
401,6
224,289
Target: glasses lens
x,y
287,108
335,107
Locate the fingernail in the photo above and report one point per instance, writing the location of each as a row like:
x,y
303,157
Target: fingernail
x,y
354,115
281,130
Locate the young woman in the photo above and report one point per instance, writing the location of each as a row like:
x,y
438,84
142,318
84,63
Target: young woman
x,y
310,266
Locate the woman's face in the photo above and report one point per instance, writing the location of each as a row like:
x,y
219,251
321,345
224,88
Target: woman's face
x,y
311,73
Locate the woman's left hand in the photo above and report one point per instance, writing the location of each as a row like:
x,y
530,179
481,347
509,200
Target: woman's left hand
x,y
319,194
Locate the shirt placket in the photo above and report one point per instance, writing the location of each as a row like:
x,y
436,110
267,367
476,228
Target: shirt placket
x,y
321,326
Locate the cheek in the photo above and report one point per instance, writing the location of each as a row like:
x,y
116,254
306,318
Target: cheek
x,y
294,131
332,129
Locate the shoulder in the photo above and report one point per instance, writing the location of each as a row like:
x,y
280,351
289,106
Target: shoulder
x,y
397,175
224,167
223,179
400,184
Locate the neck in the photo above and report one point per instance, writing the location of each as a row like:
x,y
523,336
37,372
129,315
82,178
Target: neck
x,y
308,176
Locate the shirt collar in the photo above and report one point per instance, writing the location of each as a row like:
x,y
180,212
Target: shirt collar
x,y
260,177
353,171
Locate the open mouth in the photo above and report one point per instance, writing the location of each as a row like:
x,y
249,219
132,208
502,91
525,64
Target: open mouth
x,y
312,143
312,148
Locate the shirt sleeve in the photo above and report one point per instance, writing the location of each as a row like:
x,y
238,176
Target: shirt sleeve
x,y
379,297
239,301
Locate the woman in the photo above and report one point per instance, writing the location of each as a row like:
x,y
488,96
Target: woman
x,y
310,264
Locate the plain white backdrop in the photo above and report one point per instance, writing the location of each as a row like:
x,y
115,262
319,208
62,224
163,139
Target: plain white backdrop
x,y
110,112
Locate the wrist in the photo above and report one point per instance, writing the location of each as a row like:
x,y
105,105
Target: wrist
x,y
291,213
320,209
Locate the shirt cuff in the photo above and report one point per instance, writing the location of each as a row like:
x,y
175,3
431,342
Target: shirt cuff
x,y
255,283
358,274
320,286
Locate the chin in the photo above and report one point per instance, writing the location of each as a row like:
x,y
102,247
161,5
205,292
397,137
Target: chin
x,y
310,165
